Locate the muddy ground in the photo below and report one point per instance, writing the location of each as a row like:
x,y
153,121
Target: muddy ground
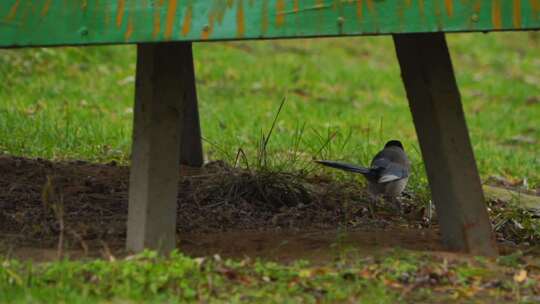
x,y
221,209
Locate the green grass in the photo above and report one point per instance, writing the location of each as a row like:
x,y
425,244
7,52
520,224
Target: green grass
x,y
397,277
76,103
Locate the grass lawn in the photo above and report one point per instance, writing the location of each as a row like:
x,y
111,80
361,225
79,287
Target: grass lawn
x,y
397,277
76,103
344,100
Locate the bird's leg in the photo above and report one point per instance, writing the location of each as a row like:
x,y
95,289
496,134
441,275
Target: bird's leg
x,y
372,205
396,204
371,208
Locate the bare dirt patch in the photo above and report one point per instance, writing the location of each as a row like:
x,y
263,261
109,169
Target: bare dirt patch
x,y
221,209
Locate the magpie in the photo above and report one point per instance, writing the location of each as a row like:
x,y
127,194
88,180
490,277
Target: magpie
x,y
388,173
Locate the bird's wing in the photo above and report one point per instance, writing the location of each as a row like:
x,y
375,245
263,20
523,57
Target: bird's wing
x,y
389,178
389,171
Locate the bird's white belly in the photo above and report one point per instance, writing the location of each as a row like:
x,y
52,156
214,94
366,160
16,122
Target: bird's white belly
x,y
390,189
394,189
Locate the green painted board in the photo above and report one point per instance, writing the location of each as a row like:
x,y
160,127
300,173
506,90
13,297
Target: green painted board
x,y
61,22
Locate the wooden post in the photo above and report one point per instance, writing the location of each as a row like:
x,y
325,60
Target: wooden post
x,y
435,103
191,153
163,84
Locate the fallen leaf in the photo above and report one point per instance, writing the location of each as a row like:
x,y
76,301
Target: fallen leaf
x,y
305,273
533,100
521,139
520,276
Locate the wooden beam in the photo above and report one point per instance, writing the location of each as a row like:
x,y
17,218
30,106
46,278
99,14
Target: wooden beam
x,y
160,94
435,103
191,152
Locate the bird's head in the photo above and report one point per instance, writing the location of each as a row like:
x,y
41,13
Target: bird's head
x,y
394,143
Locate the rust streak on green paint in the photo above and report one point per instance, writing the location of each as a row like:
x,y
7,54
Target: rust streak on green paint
x,y
449,4
129,30
45,8
169,21
496,14
208,29
219,13
437,7
157,19
30,22
264,21
13,11
280,12
96,12
186,25
131,20
240,28
370,5
517,14
535,4
477,6
29,7
106,15
401,13
120,12
359,8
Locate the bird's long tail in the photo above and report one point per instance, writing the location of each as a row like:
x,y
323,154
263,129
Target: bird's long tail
x,y
344,166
